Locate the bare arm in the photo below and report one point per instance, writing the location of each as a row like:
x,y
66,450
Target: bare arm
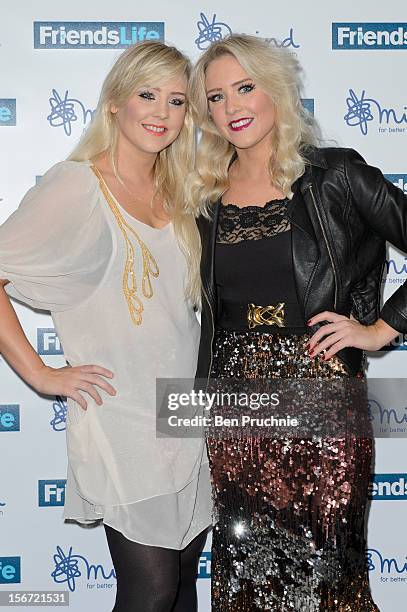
x,y
14,345
19,353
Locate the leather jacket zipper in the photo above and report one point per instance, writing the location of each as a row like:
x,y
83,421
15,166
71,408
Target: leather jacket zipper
x,y
327,244
212,337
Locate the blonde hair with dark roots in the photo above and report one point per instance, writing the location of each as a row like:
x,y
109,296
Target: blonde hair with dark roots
x,y
277,73
150,63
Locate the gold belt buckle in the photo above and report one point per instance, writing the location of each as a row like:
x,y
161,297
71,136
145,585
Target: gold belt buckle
x,y
266,315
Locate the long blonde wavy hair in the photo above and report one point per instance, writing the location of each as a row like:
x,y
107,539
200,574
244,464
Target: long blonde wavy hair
x,y
150,63
277,73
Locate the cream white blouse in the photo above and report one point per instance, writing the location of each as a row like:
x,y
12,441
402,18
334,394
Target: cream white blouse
x,y
63,250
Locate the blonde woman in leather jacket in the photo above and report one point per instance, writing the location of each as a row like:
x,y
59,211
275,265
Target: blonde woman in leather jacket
x,y
293,246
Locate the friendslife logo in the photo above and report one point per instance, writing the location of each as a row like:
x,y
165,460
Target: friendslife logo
x,y
48,342
388,487
10,570
356,36
309,105
9,417
94,34
204,565
7,111
51,493
398,344
399,180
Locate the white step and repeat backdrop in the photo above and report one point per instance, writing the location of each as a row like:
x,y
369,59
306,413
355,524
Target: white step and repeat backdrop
x,y
53,59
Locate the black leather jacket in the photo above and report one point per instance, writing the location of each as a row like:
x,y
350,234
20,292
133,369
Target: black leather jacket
x,y
342,213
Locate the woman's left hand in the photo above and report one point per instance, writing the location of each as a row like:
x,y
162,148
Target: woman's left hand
x,y
340,332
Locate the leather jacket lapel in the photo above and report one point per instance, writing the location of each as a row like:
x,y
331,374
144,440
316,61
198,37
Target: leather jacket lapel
x,y
208,229
297,210
305,250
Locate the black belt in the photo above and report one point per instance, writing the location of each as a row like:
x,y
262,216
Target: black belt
x,y
254,317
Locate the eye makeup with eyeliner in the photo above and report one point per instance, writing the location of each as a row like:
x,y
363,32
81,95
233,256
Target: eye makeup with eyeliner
x,y
149,95
243,89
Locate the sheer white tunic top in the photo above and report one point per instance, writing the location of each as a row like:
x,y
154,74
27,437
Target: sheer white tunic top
x,y
62,250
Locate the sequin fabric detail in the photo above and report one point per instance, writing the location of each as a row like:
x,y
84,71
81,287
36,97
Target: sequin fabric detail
x,y
290,512
252,222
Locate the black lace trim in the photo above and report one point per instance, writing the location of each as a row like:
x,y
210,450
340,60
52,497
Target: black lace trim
x,y
252,222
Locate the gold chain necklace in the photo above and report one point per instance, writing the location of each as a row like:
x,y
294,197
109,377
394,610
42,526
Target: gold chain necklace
x,y
132,194
150,267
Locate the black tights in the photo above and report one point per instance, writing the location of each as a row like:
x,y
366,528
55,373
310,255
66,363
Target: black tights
x,y
153,579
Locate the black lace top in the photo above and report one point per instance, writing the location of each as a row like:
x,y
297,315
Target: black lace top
x,y
253,262
251,222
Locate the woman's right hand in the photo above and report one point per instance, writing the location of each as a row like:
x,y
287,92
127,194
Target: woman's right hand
x,y
70,381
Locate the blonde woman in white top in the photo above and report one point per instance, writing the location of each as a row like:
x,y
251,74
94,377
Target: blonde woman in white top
x,y
114,270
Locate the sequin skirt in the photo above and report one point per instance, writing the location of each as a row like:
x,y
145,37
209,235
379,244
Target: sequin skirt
x,y
291,512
